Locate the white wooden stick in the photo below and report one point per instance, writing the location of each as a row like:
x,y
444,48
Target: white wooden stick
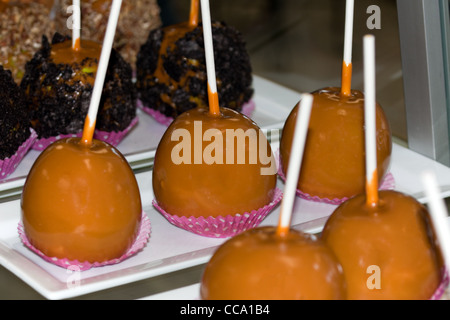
x,y
76,19
209,50
370,107
348,33
295,161
104,60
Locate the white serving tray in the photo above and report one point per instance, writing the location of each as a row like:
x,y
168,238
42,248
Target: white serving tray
x,y
273,104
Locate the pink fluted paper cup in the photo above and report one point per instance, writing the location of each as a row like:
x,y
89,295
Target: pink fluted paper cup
x,y
42,143
220,226
247,109
113,138
440,291
139,244
9,165
387,183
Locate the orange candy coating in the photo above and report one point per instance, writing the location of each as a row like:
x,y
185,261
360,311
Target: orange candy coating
x,y
334,157
258,264
390,245
200,185
81,202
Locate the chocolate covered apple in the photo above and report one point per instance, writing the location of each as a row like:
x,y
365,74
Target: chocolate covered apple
x,y
58,84
171,68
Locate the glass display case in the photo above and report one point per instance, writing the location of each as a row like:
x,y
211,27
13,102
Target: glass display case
x,y
424,37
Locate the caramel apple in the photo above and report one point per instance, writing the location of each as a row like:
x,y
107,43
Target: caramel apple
x,y
387,251
333,164
81,202
258,264
210,165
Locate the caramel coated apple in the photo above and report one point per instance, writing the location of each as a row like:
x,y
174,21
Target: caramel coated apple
x,y
334,157
206,165
258,264
387,251
81,202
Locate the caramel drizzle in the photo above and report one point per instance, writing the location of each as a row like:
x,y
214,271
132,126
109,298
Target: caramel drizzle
x,y
65,53
193,17
213,99
77,45
282,231
372,190
171,35
88,132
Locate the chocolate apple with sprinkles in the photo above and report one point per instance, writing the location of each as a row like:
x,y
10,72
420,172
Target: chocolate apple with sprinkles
x,y
171,69
14,120
16,135
58,84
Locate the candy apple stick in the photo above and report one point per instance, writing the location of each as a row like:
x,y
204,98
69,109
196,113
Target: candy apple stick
x,y
193,16
213,97
295,162
370,121
89,125
346,80
76,26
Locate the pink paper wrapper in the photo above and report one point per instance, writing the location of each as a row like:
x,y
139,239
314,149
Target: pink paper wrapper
x,y
222,227
247,109
139,243
387,183
113,138
439,293
8,165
